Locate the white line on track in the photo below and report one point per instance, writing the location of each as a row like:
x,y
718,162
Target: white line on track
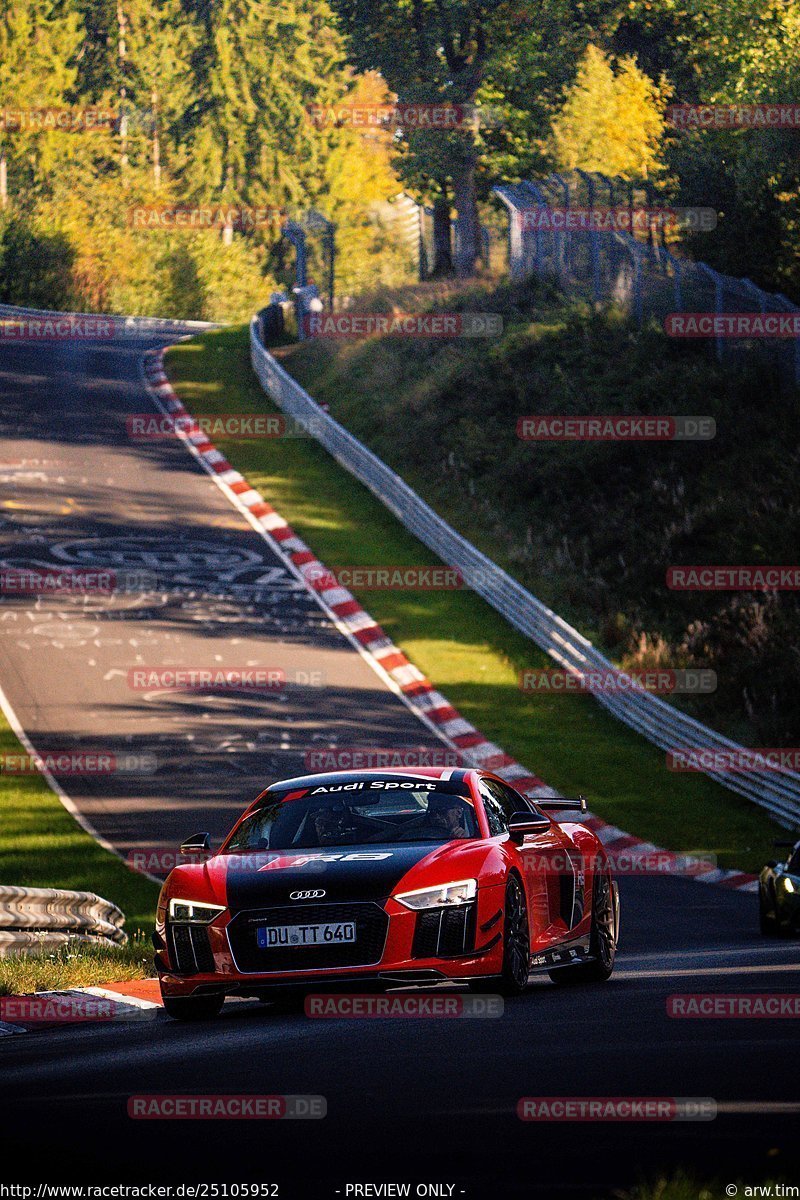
x,y
682,972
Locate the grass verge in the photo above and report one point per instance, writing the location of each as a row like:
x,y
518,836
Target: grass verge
x,y
41,845
79,965
461,643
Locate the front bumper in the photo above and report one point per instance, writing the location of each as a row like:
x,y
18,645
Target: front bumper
x,y
393,945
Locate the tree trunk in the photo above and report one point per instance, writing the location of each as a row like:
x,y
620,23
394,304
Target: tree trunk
x,y
156,142
122,54
468,240
442,246
3,180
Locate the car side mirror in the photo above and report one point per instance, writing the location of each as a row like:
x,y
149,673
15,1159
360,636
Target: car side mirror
x,y
520,824
198,844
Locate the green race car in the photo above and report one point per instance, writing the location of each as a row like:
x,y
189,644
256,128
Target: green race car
x,y
779,894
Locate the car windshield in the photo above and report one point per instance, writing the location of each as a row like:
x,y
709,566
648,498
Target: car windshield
x,y
360,814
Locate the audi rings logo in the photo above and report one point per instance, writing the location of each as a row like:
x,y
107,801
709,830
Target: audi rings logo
x,y
316,895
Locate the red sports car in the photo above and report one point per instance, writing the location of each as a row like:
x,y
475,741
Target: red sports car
x,y
386,879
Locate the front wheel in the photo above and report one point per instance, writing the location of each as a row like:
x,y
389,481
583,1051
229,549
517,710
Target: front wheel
x,y
193,1008
516,942
516,948
603,939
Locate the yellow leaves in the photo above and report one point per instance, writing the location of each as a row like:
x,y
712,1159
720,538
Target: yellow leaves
x,y
610,122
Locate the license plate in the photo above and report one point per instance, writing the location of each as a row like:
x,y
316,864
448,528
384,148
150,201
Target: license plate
x,y
328,933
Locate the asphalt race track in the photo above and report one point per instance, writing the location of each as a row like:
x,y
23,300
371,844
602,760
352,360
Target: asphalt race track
x,y
408,1101
88,497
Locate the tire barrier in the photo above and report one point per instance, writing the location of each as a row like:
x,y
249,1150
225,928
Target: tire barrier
x,y
49,917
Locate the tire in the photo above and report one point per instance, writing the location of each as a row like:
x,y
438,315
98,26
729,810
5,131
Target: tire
x,y
767,921
193,1008
516,942
602,941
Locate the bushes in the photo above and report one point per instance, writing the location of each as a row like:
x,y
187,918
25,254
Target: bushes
x,y
592,527
99,266
36,267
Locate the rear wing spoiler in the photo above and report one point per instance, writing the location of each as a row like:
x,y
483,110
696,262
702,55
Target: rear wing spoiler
x,y
561,802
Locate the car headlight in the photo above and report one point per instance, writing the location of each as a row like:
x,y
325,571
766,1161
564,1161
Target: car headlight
x,y
788,884
440,897
193,910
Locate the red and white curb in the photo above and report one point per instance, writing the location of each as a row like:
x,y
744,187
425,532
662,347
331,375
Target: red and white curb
x,y
406,680
139,1000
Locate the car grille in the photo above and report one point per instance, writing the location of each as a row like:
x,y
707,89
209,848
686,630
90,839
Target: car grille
x,y
371,922
445,932
190,949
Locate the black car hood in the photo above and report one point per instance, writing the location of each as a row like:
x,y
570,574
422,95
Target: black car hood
x,y
342,874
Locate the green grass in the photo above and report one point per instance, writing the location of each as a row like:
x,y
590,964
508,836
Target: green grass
x,y
78,965
41,845
464,647
685,1187
591,527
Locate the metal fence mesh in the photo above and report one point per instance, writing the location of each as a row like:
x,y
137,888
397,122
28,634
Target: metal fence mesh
x,y
641,275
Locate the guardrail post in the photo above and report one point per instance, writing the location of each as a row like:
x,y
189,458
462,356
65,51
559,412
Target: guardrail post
x,y
564,242
793,309
540,198
594,236
295,234
677,268
717,279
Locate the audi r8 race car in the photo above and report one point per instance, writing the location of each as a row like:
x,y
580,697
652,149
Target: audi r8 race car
x,y
779,894
386,879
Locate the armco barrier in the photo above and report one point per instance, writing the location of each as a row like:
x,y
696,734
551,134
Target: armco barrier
x,y
47,917
127,326
658,721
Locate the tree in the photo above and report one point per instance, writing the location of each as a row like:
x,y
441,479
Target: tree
x,y
38,44
610,122
432,52
259,67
